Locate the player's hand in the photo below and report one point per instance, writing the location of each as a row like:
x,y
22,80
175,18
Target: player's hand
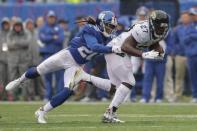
x,y
150,55
160,56
116,49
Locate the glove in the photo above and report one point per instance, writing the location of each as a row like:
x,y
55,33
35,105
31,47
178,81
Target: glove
x,y
150,55
116,49
160,56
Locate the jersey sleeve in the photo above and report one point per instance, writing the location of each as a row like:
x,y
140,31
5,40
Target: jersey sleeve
x,y
93,44
89,29
140,33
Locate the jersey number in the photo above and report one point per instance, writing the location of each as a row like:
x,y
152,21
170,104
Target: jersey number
x,y
144,28
86,53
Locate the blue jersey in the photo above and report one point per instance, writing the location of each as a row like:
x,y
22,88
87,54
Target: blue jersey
x,y
88,43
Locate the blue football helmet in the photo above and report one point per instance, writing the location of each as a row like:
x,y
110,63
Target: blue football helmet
x,y
106,22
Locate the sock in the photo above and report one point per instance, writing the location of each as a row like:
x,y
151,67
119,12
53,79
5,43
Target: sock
x,y
23,77
32,73
61,97
47,107
101,83
114,109
120,95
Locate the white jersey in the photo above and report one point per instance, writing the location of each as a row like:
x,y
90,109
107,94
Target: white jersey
x,y
140,32
120,68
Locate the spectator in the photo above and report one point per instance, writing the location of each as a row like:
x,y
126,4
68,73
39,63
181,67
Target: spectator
x,y
18,56
13,20
5,28
123,24
190,41
52,36
79,26
29,25
64,24
153,69
39,22
169,82
37,84
179,55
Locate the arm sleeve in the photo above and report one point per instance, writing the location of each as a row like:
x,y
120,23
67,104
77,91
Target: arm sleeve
x,y
93,44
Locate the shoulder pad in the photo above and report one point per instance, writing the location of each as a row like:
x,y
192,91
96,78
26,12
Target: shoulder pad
x,y
141,32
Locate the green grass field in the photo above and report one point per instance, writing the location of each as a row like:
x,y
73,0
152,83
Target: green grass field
x,y
86,117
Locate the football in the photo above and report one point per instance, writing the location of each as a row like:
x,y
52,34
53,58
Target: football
x,y
156,47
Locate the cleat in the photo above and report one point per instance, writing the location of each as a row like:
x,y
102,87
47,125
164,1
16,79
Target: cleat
x,y
111,117
116,120
13,84
40,115
80,75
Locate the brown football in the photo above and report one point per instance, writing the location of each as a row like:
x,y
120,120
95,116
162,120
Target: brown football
x,y
156,47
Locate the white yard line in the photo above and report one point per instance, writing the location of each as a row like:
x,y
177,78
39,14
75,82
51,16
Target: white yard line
x,y
94,127
53,128
128,115
100,103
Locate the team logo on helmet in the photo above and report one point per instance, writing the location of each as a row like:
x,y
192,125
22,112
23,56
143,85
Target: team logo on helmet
x,y
101,16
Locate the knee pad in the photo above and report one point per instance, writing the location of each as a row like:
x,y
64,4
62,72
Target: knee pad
x,y
112,89
127,85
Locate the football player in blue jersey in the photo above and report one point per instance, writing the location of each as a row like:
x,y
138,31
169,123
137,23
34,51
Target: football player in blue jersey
x,y
90,42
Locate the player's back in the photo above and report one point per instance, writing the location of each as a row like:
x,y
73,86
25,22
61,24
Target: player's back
x,y
79,48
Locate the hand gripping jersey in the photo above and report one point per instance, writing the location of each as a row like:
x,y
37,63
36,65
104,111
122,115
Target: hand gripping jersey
x,y
79,48
140,32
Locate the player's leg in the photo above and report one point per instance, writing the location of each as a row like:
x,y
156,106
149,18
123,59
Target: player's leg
x,y
53,63
59,98
102,83
121,93
121,69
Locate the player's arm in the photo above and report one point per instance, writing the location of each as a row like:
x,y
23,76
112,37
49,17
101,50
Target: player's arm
x,y
157,47
95,46
129,47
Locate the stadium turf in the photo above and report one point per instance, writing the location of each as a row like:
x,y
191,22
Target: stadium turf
x,y
86,117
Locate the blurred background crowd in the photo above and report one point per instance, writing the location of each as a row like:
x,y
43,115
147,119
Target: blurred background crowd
x,y
30,33
54,1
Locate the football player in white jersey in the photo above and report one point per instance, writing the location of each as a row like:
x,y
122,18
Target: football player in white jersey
x,y
144,34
